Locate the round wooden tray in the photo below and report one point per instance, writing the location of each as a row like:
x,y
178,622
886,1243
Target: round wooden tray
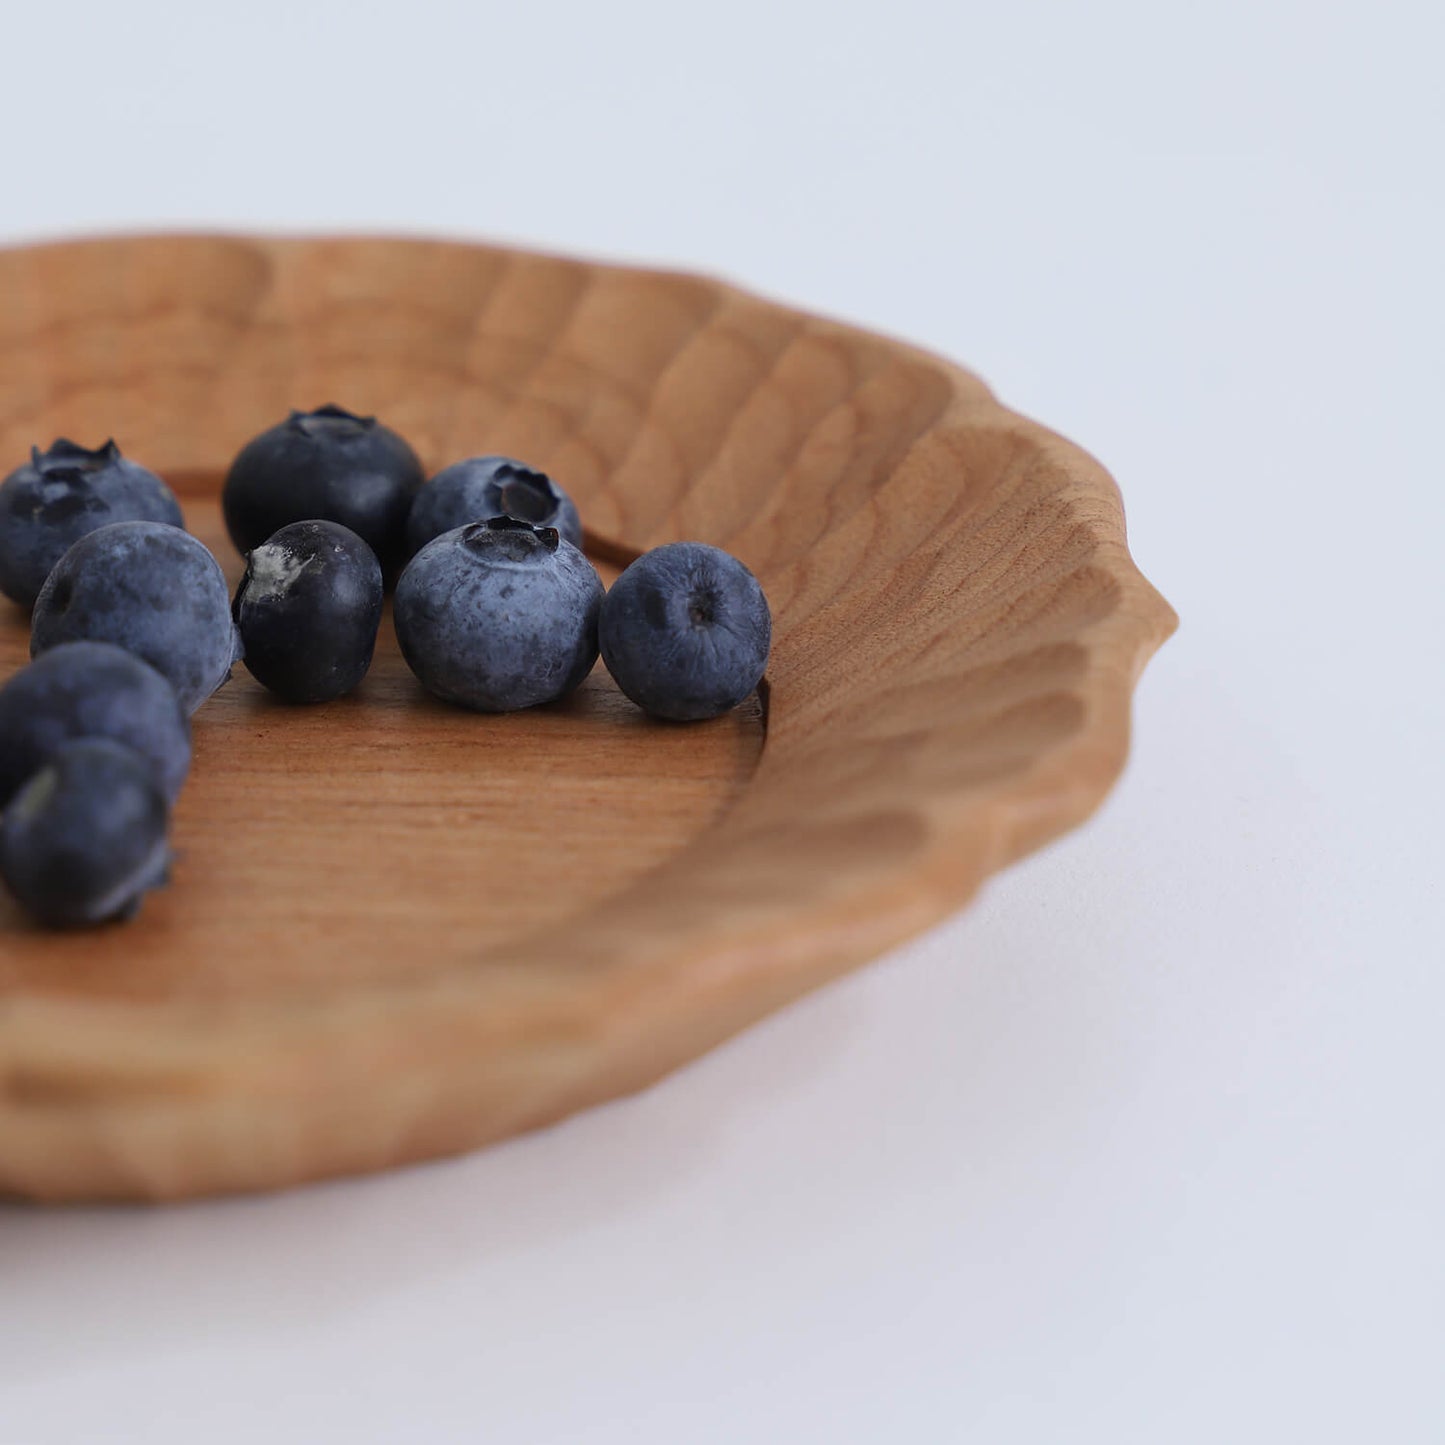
x,y
399,930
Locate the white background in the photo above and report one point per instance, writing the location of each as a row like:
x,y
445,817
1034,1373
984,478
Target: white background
x,y
1147,1146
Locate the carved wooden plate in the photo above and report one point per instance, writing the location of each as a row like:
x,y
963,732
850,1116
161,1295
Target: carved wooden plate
x,y
398,930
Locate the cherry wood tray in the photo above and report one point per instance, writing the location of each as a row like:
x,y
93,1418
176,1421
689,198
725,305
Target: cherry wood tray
x,y
399,930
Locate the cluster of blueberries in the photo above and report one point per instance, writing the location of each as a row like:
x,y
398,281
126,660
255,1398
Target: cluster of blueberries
x,y
132,626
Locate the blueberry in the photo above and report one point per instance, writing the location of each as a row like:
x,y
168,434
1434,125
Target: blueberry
x,y
482,487
60,495
91,690
685,631
308,610
151,589
329,465
499,615
85,838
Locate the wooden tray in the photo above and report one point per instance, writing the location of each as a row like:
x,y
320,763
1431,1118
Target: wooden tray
x,y
398,930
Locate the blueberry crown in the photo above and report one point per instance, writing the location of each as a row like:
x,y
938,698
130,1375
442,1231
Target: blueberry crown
x,y
68,456
314,423
549,537
516,482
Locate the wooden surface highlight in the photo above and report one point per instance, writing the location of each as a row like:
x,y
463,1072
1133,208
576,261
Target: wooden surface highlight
x,y
399,930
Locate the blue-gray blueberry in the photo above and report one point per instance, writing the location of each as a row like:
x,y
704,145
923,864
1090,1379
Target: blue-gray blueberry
x,y
308,610
85,839
326,464
483,487
151,589
499,615
58,496
91,690
685,631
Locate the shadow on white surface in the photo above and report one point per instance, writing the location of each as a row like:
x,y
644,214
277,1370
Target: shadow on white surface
x,y
244,1267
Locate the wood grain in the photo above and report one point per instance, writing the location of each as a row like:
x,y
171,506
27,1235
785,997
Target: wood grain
x,y
398,930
